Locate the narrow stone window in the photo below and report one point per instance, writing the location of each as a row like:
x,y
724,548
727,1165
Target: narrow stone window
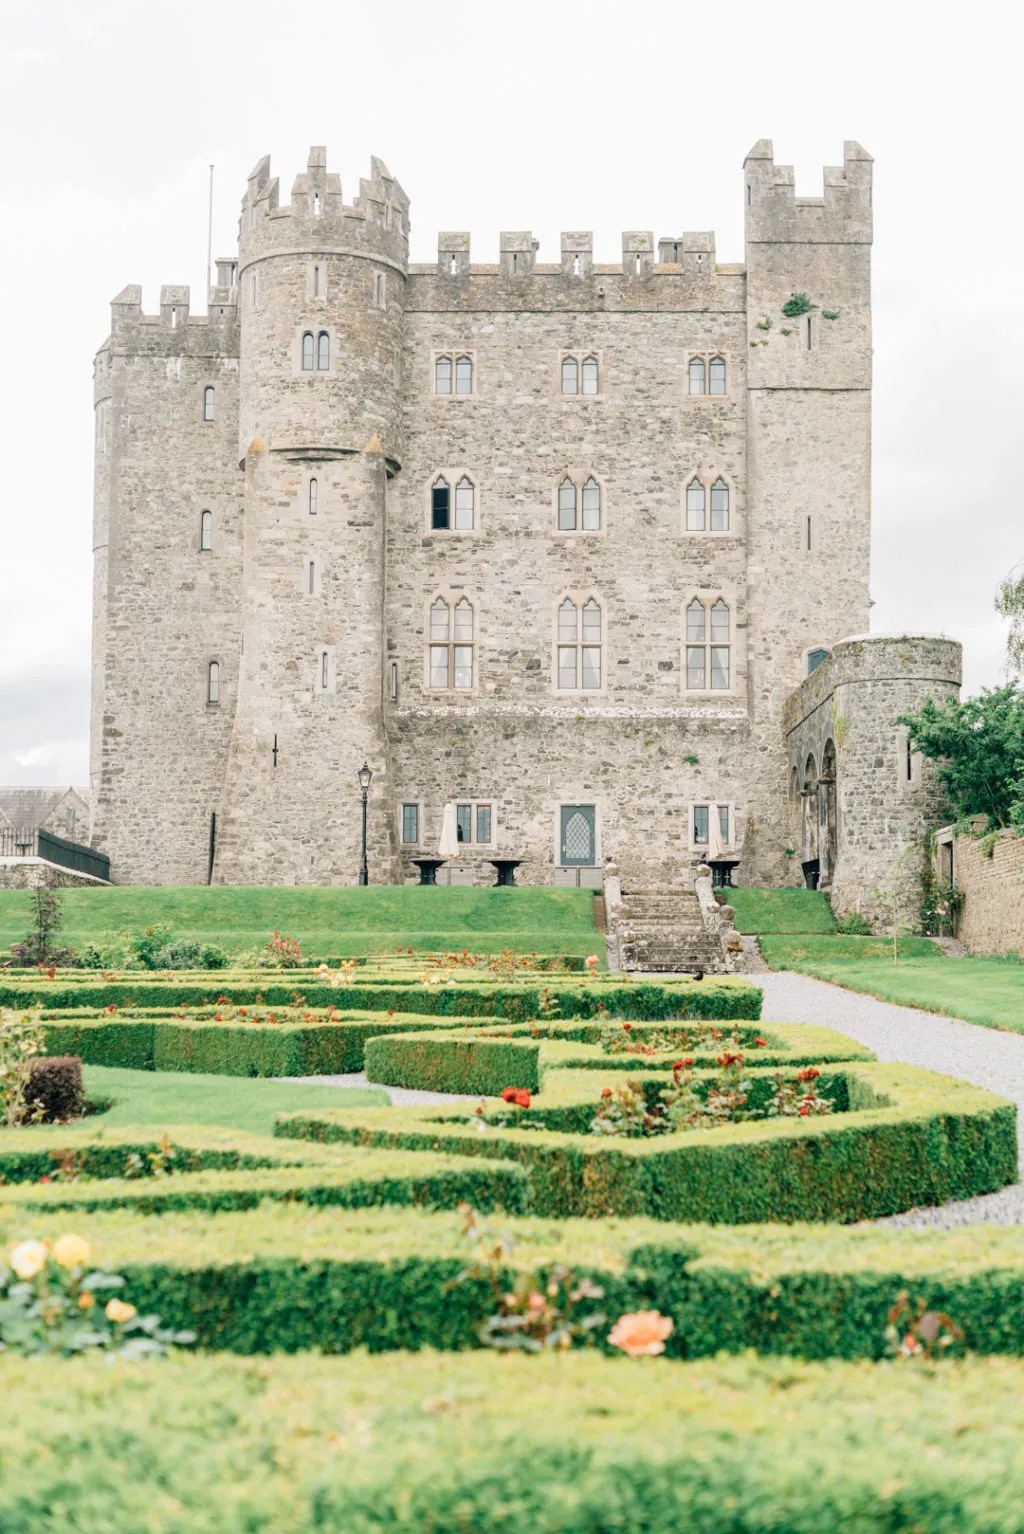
x,y
719,506
567,506
700,825
316,204
440,505
576,266
453,268
307,351
808,332
206,531
311,578
716,376
720,636
463,375
393,681
464,497
379,291
174,318
451,646
808,533
591,506
209,403
317,281
314,497
325,670
696,375
696,497
323,352
443,375
213,683
570,371
255,289
579,646
590,375
410,824
696,634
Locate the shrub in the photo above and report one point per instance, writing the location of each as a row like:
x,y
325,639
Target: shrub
x,y
21,1041
854,925
184,953
55,1089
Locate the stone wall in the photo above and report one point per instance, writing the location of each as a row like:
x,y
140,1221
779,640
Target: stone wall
x,y
333,665
992,920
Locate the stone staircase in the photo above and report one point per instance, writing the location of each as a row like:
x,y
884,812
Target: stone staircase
x,y
665,930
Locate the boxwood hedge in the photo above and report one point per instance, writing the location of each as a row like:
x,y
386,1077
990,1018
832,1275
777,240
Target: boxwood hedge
x,y
295,1277
486,1060
910,1138
574,1444
441,996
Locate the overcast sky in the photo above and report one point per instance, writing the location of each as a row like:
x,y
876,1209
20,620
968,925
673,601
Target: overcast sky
x,y
536,114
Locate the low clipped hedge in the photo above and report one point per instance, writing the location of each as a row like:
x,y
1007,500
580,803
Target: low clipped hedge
x,y
574,1444
294,1277
198,1171
910,1138
450,1062
706,999
486,1060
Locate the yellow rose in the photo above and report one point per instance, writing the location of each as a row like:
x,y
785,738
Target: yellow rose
x,y
119,1312
86,1301
28,1258
71,1251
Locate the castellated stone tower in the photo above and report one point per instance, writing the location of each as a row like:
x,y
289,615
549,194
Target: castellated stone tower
x,y
551,542
320,428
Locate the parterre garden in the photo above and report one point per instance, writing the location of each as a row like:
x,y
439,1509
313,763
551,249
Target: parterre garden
x,y
477,1286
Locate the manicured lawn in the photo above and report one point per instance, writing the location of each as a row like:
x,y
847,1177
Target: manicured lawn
x,y
161,1098
985,991
781,911
343,922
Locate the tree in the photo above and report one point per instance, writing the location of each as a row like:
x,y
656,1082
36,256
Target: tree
x,y
979,744
1010,604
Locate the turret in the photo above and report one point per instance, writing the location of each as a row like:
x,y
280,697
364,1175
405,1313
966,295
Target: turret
x,y
321,297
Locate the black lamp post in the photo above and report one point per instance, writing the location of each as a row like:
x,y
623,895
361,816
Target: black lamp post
x,y
365,774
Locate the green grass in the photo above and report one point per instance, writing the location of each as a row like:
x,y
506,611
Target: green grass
x,y
345,922
158,1099
781,911
985,991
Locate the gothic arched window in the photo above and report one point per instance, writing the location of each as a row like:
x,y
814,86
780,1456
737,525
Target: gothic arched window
x,y
209,403
206,531
323,352
307,351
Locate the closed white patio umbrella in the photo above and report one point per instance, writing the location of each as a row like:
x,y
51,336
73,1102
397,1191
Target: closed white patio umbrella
x,y
716,847
449,846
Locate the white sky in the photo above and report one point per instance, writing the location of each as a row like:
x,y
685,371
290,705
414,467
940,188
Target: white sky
x,y
536,114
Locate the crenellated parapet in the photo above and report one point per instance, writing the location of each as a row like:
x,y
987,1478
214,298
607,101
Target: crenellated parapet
x,y
174,330
775,214
317,218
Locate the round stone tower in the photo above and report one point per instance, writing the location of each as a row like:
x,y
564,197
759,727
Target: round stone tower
x,y
321,303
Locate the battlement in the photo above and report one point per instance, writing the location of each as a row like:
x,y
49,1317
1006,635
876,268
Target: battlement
x,y
517,255
173,324
775,215
317,206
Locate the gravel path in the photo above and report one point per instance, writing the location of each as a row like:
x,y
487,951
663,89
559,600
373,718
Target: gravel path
x,y
979,1055
400,1096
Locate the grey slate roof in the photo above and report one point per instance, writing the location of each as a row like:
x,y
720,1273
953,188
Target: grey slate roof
x,y
28,808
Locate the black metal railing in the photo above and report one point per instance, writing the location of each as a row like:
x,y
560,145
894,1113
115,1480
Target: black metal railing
x,y
15,843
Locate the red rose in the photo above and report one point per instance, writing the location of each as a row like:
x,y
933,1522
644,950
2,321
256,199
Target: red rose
x,y
627,1027
730,1057
804,1110
606,1092
44,1178
522,1098
508,1094
809,1073
761,1043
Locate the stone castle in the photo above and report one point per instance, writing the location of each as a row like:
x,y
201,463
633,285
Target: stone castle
x,y
575,548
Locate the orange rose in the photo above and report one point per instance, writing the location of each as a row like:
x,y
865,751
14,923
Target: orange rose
x,y
644,1331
